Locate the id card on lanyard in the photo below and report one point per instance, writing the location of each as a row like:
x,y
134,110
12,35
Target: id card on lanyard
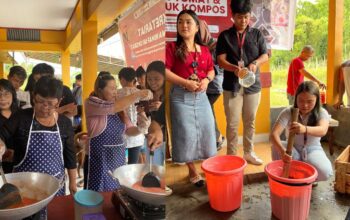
x,y
240,46
304,151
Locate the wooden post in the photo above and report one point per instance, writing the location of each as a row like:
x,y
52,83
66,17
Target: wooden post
x,y
335,47
65,63
89,56
286,167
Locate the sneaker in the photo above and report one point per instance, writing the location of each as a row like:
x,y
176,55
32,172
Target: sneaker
x,y
253,159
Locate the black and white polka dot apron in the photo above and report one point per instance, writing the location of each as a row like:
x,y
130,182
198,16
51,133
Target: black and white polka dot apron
x,y
44,154
107,152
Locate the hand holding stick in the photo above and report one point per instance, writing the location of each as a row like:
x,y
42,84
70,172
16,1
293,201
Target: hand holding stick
x,y
286,166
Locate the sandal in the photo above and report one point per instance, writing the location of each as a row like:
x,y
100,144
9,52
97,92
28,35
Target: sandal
x,y
168,191
80,183
219,143
198,181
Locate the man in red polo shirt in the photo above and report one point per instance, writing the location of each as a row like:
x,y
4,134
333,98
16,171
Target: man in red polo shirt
x,y
297,72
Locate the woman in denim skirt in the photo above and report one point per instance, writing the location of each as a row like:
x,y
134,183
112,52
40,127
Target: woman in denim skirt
x,y
190,68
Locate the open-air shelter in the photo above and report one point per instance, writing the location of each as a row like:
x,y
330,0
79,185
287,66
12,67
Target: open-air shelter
x,y
61,29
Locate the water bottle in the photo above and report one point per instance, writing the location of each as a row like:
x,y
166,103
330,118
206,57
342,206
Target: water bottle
x,y
247,79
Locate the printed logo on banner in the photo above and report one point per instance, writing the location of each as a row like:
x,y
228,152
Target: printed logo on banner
x,y
217,8
274,18
142,32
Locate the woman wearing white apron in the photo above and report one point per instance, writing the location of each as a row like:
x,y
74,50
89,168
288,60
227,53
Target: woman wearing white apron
x,y
43,140
106,129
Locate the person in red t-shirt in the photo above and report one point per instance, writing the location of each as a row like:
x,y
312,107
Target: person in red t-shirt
x,y
297,71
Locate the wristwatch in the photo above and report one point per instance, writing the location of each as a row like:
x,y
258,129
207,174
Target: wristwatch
x,y
254,62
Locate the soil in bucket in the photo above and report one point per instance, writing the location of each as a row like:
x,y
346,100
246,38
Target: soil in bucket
x,y
290,197
224,175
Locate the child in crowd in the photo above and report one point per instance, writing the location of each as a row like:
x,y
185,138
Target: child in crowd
x,y
17,76
81,141
127,78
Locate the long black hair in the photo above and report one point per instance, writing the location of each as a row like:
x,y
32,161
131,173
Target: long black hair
x,y
30,84
6,85
312,88
181,47
156,66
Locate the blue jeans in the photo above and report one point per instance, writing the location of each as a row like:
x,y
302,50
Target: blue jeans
x,y
159,155
133,154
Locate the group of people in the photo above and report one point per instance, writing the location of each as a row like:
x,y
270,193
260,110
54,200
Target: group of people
x,y
36,132
190,68
40,138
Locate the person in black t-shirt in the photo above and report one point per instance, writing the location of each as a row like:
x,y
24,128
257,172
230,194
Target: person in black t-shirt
x,y
241,47
8,106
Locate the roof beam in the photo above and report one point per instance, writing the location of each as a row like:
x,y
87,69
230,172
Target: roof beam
x,y
73,30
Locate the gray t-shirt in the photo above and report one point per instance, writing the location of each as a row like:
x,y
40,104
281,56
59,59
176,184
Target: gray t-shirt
x,y
284,119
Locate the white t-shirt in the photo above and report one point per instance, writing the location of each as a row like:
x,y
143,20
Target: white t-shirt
x,y
24,96
131,111
284,119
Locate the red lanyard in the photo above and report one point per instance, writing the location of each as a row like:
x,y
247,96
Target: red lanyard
x,y
241,42
195,61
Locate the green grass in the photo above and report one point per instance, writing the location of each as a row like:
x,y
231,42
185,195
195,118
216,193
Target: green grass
x,y
279,81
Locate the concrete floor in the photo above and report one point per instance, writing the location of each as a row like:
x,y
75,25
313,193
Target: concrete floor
x,y
189,202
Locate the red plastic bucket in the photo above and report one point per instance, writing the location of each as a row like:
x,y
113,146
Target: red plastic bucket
x,y
290,197
224,176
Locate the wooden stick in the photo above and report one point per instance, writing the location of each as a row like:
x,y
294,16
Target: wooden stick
x,y
286,166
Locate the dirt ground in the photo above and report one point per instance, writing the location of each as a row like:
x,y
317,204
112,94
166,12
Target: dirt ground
x,y
189,202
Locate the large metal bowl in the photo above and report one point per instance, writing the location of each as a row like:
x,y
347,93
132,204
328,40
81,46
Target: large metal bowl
x,y
30,183
128,175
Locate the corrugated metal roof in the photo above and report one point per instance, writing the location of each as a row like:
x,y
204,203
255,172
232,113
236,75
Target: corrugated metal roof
x,y
23,35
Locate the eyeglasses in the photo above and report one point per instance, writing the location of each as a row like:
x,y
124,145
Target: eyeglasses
x,y
5,94
49,104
